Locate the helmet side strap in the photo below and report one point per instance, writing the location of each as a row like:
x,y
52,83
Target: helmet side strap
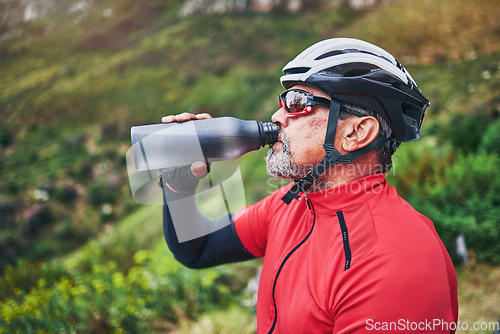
x,y
331,156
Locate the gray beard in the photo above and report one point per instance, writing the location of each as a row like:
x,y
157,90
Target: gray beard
x,y
279,164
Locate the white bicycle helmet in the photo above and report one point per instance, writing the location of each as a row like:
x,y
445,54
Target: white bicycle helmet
x,y
357,72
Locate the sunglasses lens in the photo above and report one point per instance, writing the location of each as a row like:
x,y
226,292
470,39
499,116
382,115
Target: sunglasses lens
x,y
295,102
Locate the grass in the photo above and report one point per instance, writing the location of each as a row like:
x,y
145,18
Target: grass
x,y
478,295
433,31
137,231
234,320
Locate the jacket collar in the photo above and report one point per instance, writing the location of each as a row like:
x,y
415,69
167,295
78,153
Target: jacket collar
x,y
348,194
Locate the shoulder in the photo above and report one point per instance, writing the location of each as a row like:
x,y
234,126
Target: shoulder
x,y
404,260
387,232
407,243
397,220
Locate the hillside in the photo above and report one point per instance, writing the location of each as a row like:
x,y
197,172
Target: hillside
x,y
75,84
76,75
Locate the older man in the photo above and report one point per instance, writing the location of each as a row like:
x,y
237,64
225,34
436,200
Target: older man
x,y
343,253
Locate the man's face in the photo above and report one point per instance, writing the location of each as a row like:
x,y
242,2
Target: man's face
x,y
301,139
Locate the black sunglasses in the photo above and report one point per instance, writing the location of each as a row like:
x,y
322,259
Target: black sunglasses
x,y
297,102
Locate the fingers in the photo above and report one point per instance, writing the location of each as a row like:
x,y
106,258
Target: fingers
x,y
199,169
203,116
185,117
168,119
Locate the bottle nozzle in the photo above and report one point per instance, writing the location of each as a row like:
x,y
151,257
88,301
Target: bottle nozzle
x,y
268,133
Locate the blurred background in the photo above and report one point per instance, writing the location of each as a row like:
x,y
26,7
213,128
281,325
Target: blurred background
x,y
78,255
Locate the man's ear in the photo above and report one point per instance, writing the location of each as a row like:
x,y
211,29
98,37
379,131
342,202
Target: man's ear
x,y
361,131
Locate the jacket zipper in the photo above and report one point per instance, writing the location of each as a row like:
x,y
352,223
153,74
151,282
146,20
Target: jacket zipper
x,y
310,207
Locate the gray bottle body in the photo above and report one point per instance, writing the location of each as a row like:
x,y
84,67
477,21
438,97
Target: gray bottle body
x,y
158,146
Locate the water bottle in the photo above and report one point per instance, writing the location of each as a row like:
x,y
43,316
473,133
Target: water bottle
x,y
178,144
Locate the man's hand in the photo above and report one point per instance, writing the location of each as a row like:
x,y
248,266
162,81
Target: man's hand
x,y
184,117
199,168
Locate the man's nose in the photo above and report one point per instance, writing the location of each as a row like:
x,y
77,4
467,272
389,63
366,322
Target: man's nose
x,y
279,117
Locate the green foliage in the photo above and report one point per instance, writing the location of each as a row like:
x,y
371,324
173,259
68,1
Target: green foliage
x,y
466,199
491,139
25,274
460,193
5,136
120,242
234,320
100,193
94,296
466,133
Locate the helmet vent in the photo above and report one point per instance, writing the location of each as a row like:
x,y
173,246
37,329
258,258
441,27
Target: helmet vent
x,y
297,70
329,54
350,70
339,52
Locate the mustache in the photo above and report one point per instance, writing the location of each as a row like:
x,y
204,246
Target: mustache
x,y
282,137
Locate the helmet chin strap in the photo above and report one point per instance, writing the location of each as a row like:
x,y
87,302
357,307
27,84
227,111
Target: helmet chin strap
x,y
332,155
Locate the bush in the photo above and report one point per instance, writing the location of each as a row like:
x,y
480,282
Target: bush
x,y
467,200
465,132
5,136
94,296
24,275
460,194
100,193
491,139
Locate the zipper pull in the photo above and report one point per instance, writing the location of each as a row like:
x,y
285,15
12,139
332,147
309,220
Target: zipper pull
x,y
307,201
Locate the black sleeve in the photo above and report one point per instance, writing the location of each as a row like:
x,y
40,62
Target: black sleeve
x,y
221,246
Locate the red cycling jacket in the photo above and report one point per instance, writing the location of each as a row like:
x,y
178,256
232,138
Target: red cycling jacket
x,y
359,260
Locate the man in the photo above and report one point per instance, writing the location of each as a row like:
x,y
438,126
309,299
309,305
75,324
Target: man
x,y
343,253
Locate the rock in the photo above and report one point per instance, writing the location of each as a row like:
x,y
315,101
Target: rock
x,y
194,7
